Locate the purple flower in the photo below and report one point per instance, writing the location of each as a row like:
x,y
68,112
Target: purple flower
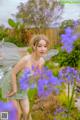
x,y
48,84
75,23
32,86
54,81
24,85
68,39
24,80
68,30
60,113
10,108
43,80
43,87
69,74
59,110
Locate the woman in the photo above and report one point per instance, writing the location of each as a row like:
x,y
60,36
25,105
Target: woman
x,y
39,45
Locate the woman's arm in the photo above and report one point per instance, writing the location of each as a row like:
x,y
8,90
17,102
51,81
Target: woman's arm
x,y
18,67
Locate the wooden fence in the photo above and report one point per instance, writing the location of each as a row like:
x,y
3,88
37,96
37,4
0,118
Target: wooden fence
x,y
51,33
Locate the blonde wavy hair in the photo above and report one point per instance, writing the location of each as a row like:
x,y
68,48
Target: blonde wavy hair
x,y
36,39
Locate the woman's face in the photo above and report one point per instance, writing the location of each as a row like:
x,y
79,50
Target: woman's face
x,y
41,48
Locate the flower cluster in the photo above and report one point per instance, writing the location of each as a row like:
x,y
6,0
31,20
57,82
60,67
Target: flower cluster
x,y
69,74
48,83
68,39
24,80
29,78
9,107
72,77
60,113
43,80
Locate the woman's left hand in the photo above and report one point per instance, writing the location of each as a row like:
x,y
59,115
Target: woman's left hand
x,y
11,93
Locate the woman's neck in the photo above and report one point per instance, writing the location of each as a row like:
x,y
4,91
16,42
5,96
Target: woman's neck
x,y
35,57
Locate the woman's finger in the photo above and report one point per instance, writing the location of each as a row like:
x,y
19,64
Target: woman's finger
x,y
10,94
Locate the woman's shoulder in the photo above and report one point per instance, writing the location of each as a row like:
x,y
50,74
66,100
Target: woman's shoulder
x,y
26,58
23,61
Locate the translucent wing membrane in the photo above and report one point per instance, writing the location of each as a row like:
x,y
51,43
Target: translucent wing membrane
x,y
9,55
51,53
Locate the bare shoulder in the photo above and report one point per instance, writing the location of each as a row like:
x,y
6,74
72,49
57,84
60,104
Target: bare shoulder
x,y
26,58
23,59
21,63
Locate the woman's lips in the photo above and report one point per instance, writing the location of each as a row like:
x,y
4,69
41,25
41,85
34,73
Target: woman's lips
x,y
42,52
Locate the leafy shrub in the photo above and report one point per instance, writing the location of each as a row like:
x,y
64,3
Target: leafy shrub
x,y
17,42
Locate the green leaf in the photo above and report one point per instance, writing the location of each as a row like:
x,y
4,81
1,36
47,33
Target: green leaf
x,y
11,22
32,93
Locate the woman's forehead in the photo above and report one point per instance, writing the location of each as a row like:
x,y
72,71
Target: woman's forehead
x,y
42,42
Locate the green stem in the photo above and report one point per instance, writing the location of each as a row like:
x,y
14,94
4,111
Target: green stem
x,y
70,100
68,92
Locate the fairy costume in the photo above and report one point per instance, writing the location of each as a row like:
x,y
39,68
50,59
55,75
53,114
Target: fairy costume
x,y
10,58
7,84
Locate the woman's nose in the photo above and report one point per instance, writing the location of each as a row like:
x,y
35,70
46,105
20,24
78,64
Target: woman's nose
x,y
43,48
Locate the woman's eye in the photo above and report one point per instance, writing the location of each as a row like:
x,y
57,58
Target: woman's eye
x,y
42,46
39,46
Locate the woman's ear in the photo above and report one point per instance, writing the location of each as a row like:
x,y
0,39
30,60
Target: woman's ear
x,y
34,47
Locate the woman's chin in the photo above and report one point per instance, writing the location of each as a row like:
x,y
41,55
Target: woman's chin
x,y
42,55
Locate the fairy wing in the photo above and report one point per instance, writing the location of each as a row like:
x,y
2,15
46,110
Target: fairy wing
x,y
51,53
9,55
